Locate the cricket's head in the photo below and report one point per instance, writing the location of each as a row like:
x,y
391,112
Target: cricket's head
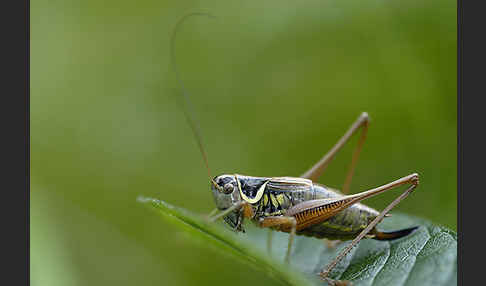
x,y
225,193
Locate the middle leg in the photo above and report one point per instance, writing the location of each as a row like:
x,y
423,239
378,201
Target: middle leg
x,y
281,221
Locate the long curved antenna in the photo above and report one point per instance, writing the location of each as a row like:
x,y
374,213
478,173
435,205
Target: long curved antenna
x,y
189,109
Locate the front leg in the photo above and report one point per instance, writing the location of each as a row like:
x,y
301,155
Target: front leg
x,y
237,206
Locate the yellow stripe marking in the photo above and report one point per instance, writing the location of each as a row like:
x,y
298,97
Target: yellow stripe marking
x,y
258,196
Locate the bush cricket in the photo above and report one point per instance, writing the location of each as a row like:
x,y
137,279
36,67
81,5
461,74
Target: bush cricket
x,y
299,205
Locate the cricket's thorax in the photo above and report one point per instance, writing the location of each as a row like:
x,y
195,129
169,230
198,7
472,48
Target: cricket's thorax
x,y
274,196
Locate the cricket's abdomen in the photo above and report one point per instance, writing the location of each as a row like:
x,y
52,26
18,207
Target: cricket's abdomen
x,y
345,225
282,193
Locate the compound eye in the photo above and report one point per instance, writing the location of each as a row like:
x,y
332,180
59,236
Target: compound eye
x,y
228,188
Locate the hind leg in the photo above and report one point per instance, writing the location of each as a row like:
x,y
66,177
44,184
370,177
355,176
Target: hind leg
x,y
413,180
317,169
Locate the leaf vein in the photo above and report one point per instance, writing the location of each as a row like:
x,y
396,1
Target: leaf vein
x,y
429,239
388,257
386,261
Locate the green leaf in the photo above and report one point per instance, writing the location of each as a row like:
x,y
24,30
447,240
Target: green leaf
x,y
426,257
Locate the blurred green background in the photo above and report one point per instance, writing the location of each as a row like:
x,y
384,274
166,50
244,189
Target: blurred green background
x,y
274,85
